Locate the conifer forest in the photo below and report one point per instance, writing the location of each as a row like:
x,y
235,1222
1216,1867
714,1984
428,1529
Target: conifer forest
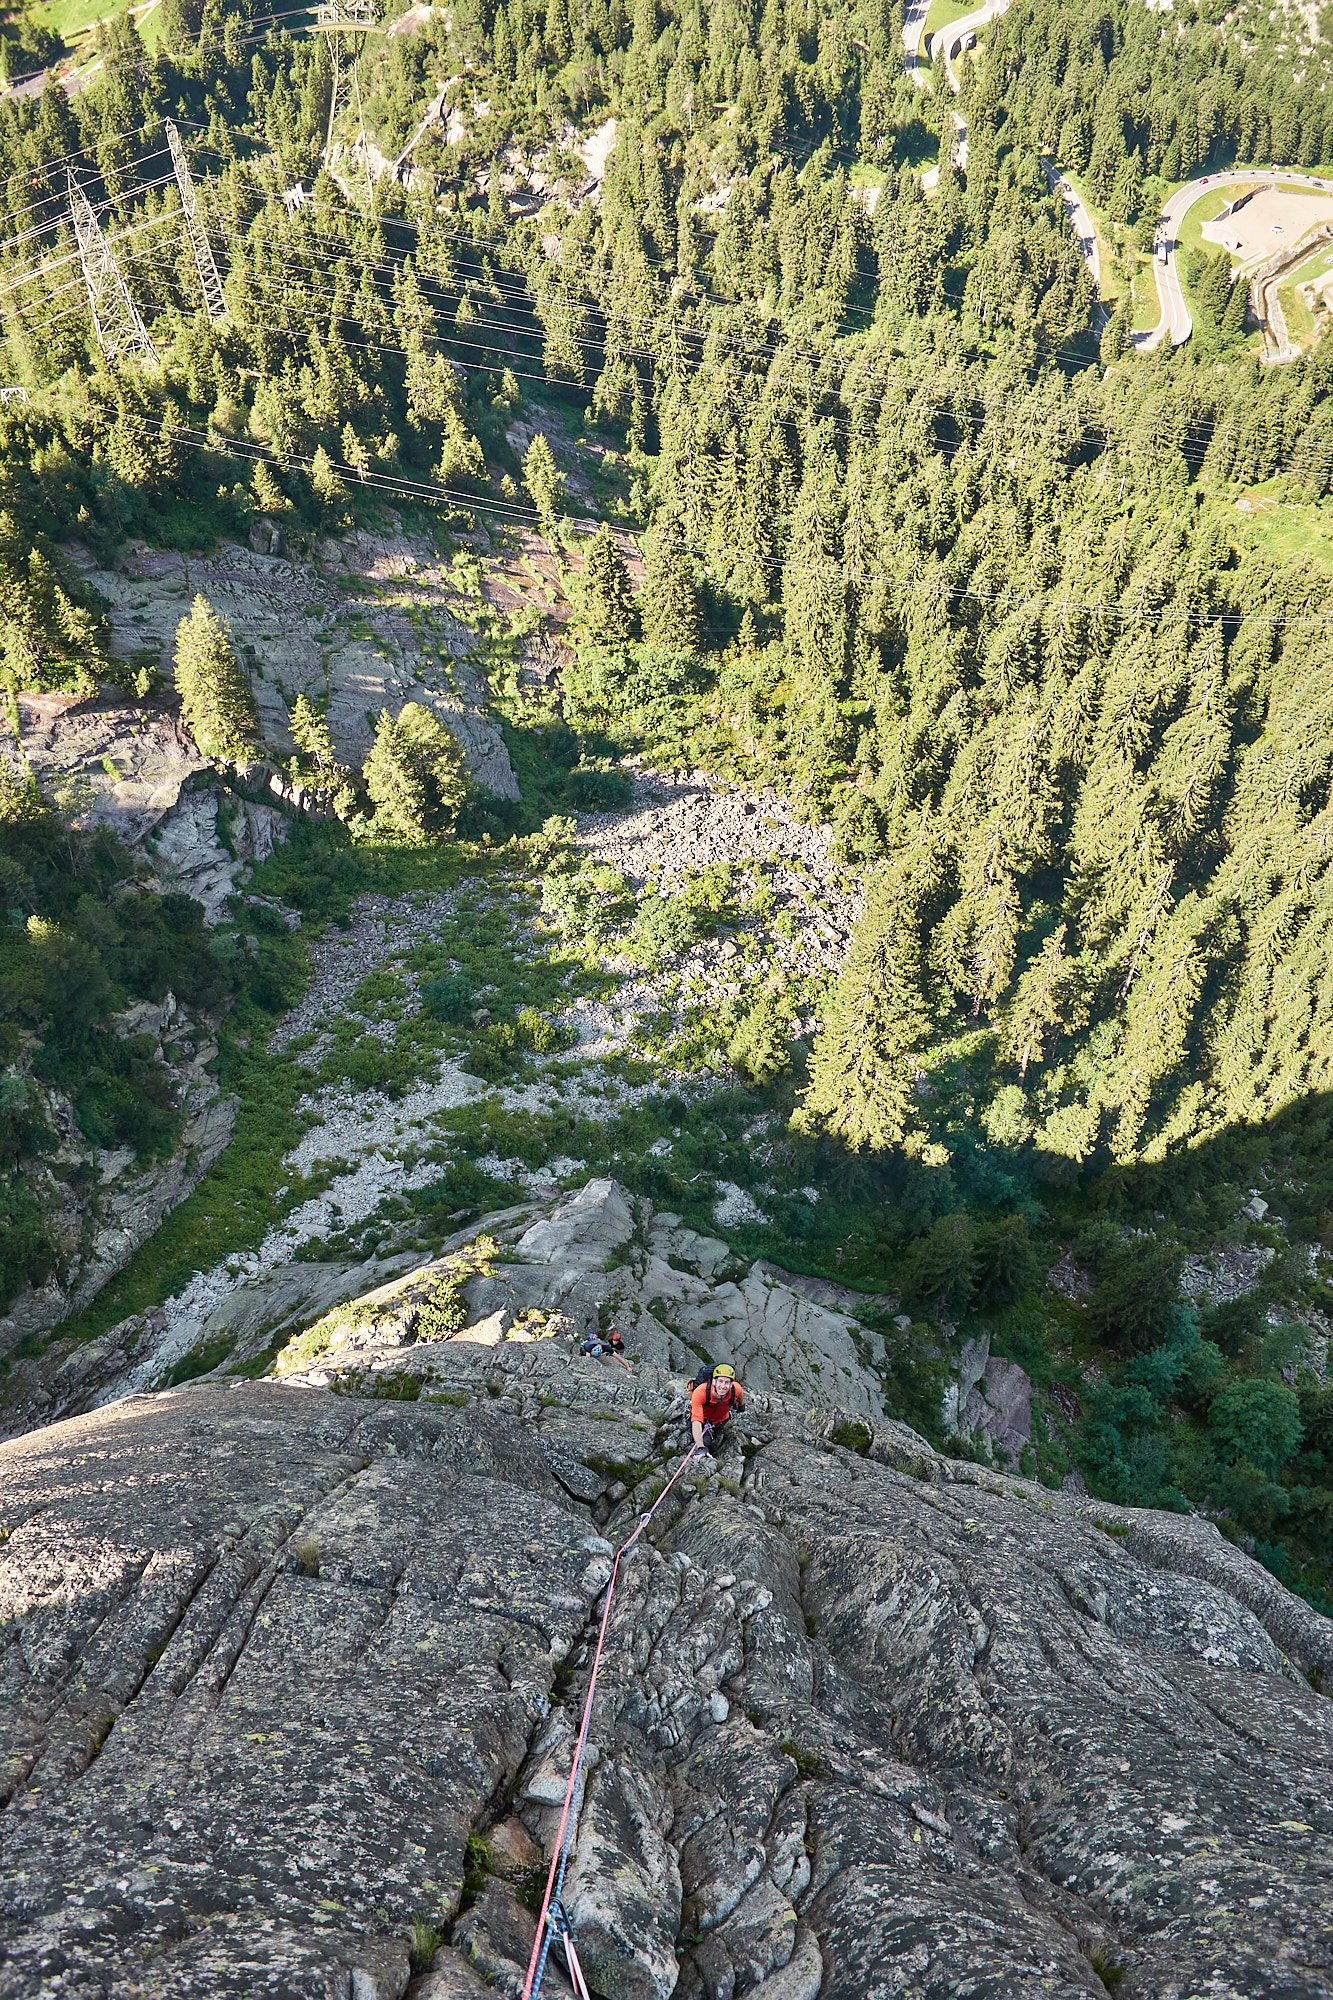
x,y
879,486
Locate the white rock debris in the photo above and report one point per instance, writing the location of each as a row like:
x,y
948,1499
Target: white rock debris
x,y
800,928
734,1205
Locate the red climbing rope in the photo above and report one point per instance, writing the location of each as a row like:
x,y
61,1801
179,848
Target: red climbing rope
x,y
553,1921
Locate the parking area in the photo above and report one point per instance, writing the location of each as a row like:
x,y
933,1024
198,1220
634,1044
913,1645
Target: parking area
x,y
1268,219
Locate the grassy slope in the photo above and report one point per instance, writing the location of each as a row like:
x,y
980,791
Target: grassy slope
x,y
944,11
75,20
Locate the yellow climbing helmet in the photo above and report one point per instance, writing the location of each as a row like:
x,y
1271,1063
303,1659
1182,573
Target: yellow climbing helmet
x,y
724,1372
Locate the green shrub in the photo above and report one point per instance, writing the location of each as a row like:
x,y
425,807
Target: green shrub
x,y
712,891
201,1361
761,1045
443,1313
368,1065
541,1035
664,927
630,682
585,904
1256,1421
450,998
594,790
495,1052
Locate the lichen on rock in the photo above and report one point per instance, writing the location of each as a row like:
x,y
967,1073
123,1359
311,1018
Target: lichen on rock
x,y
293,1680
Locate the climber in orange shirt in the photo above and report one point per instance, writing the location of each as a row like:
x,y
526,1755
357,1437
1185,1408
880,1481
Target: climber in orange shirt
x,y
714,1394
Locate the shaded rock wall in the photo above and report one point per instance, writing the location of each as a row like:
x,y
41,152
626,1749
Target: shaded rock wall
x,y
104,1203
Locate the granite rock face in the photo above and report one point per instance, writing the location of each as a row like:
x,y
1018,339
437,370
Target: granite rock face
x,y
108,759
188,857
601,1258
347,625
880,1725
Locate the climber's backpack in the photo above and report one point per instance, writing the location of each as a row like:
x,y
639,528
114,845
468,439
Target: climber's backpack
x,y
705,1376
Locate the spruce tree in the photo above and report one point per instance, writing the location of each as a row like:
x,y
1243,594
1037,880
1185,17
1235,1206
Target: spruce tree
x,y
606,593
544,481
671,596
865,1064
216,702
416,776
268,495
316,758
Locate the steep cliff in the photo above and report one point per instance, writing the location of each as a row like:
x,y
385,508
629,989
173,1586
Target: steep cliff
x,y
292,1673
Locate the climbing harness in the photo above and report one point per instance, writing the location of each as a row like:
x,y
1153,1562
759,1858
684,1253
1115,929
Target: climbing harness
x,y
553,1921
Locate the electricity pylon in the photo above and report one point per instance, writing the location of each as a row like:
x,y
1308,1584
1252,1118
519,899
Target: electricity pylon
x,y
354,19
194,222
116,318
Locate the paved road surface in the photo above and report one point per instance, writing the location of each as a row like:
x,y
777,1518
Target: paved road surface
x,y
949,41
31,86
914,22
1080,221
1176,320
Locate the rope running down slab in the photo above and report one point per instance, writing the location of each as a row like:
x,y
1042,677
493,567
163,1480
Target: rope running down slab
x,y
553,1921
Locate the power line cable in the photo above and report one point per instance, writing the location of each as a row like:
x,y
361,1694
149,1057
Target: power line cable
x,y
936,587
796,406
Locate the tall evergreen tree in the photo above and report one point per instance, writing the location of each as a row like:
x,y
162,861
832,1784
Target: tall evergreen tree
x,y
217,704
671,595
544,481
416,776
605,591
874,1039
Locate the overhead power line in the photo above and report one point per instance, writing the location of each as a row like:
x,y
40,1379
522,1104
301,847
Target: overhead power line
x,y
936,586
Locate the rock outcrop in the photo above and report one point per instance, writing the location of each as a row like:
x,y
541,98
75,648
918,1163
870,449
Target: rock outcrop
x,y
103,1203
110,759
292,1679
189,857
598,1260
568,1265
346,629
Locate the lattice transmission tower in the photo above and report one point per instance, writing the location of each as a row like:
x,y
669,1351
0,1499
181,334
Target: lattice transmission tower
x,y
194,222
346,23
116,318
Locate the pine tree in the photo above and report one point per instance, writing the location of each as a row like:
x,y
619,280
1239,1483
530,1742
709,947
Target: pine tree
x,y
216,701
761,1046
416,777
1126,198
1044,1004
330,490
316,758
461,456
606,593
268,495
